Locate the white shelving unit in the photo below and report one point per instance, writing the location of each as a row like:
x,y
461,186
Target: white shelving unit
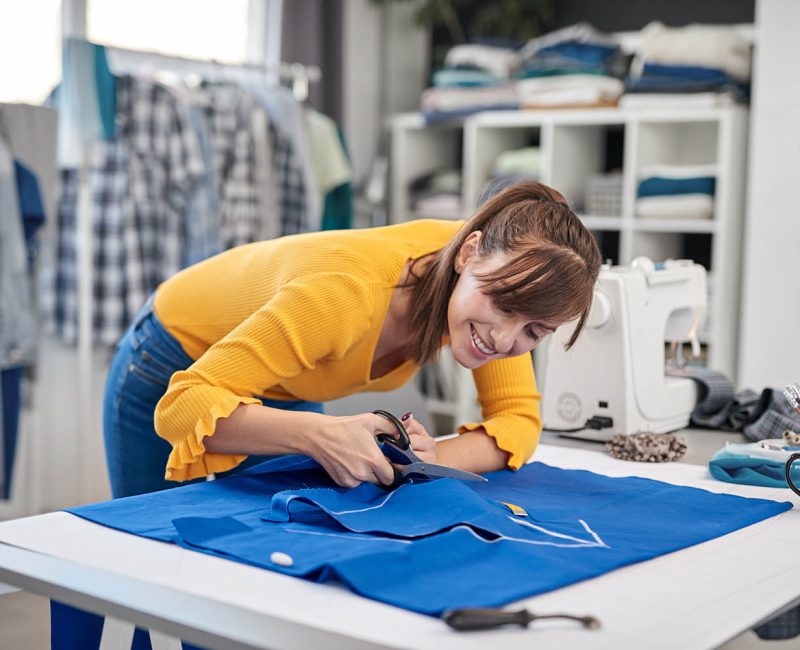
x,y
573,147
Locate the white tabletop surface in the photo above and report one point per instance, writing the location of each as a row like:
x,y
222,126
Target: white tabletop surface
x,y
699,597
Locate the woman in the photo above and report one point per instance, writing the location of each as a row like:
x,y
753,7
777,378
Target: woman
x,y
233,356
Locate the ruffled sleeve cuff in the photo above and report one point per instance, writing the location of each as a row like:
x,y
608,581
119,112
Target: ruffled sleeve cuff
x,y
189,459
519,447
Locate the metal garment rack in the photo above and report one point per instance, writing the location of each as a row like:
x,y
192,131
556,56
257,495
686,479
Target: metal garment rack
x,y
263,50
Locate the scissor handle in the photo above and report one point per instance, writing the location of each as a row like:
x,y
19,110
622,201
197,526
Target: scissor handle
x,y
402,441
792,459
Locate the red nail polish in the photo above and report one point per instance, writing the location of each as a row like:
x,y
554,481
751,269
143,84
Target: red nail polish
x,y
406,416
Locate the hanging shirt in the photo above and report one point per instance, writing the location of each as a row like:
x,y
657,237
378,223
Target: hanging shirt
x,y
233,150
140,189
286,115
299,318
31,208
331,165
17,320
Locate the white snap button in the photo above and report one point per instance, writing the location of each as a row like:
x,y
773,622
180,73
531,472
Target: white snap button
x,y
281,559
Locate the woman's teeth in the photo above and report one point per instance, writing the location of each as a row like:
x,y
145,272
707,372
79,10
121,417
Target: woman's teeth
x,y
479,343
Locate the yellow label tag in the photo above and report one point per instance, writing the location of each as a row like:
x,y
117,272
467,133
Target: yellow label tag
x,y
515,509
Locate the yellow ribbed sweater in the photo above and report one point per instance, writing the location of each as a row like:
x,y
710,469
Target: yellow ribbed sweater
x,y
299,318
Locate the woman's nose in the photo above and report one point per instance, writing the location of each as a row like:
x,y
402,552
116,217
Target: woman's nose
x,y
503,338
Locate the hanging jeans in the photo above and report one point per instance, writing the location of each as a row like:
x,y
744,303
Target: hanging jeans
x,y
145,359
136,456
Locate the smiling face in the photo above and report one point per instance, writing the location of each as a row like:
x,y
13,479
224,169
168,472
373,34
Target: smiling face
x,y
479,330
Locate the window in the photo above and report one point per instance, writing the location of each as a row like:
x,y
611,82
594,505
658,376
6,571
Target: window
x,y
30,50
197,29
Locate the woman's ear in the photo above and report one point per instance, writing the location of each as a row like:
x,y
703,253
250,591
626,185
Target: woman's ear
x,y
468,250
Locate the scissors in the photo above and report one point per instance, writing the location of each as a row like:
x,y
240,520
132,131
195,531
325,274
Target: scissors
x,y
406,463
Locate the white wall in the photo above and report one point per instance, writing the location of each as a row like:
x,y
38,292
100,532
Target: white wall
x,y
404,48
769,345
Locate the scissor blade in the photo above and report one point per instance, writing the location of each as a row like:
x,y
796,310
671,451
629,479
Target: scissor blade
x,y
439,471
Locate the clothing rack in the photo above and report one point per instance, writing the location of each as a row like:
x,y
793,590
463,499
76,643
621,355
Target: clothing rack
x,y
264,49
299,75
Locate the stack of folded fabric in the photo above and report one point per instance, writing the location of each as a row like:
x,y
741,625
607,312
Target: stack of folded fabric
x,y
524,163
475,78
575,66
437,195
692,65
676,192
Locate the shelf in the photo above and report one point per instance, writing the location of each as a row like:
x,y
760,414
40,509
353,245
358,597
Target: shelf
x,y
601,116
674,225
577,144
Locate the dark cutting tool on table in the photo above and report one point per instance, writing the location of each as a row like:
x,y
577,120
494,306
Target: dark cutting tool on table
x,y
469,620
406,464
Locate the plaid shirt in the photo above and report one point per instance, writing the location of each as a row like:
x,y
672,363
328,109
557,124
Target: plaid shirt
x,y
289,184
233,145
237,145
109,185
139,188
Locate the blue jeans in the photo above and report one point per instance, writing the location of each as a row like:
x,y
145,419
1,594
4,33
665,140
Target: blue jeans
x,y
145,359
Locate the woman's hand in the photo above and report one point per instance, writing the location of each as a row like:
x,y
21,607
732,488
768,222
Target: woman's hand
x,y
346,448
422,443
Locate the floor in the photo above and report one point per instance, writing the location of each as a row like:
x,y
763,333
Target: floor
x,y
25,625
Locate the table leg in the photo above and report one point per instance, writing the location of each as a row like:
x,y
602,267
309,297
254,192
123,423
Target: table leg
x,y
161,641
117,634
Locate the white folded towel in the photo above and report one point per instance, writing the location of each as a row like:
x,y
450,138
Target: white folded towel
x,y
710,46
679,206
497,60
677,171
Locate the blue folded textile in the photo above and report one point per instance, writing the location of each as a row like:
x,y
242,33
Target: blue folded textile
x,y
437,545
657,186
731,467
434,117
465,78
584,52
686,72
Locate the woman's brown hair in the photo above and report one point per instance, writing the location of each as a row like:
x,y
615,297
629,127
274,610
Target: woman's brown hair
x,y
550,277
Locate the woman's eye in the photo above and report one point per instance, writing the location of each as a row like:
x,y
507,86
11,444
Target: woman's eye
x,y
531,333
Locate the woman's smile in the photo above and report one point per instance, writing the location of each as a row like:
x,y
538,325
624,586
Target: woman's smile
x,y
484,349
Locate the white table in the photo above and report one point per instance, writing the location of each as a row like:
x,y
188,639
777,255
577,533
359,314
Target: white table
x,y
696,598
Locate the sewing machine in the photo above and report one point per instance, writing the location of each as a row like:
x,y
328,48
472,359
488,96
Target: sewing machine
x,y
616,368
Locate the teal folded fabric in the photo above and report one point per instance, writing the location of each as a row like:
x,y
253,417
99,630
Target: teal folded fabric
x,y
464,78
656,186
733,467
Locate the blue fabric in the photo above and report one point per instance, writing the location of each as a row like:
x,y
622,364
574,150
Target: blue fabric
x,y
686,72
143,364
431,546
433,117
658,78
11,403
461,77
337,211
657,186
106,91
584,52
732,467
30,207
